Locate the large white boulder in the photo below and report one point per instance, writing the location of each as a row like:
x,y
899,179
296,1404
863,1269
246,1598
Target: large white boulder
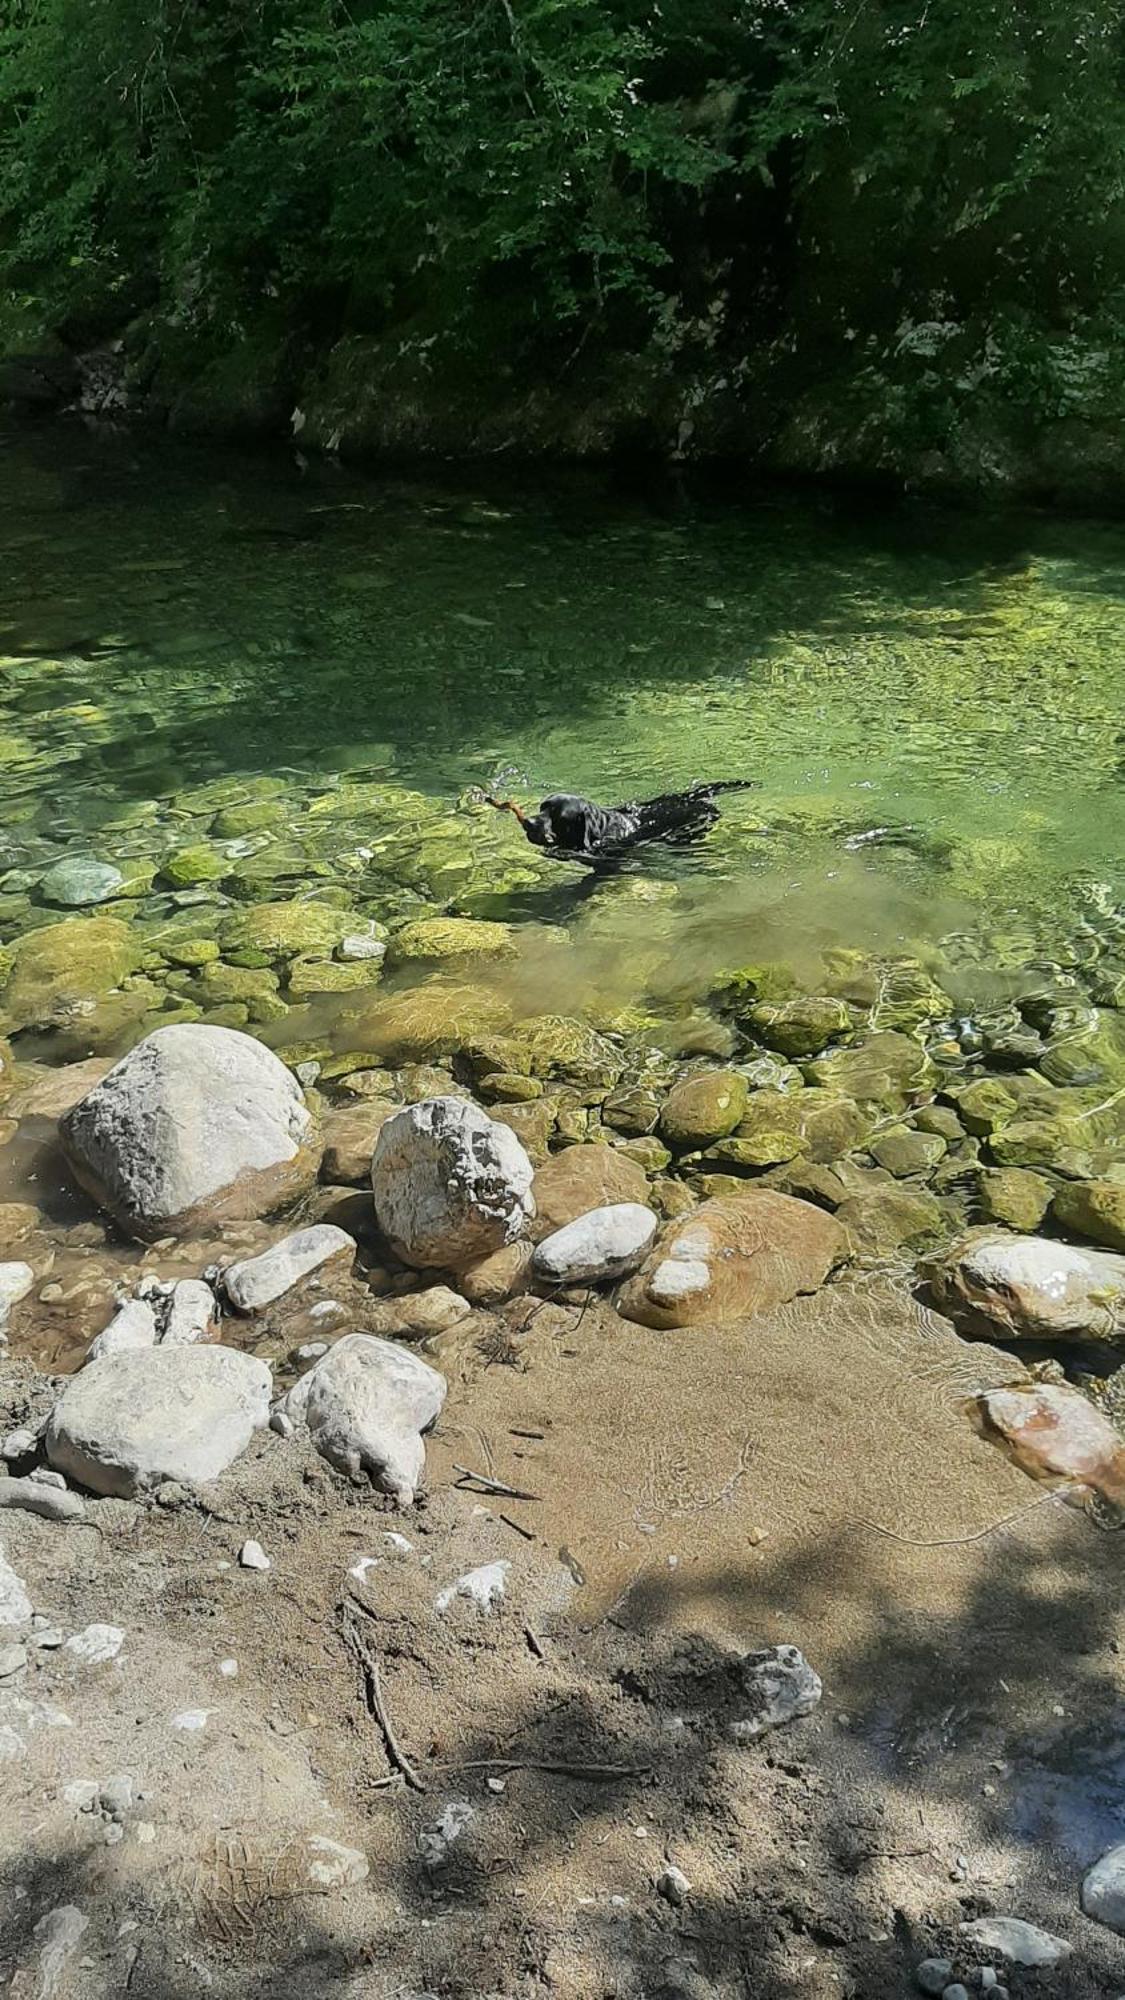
x,y
195,1123
608,1243
128,1422
366,1404
450,1184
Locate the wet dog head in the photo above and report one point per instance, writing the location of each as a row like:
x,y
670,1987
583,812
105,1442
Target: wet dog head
x,y
563,820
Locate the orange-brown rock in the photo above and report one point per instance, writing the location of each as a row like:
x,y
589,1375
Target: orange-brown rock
x,y
732,1258
1053,1429
583,1178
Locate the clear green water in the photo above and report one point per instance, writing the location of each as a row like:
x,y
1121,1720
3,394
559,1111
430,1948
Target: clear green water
x,y
171,619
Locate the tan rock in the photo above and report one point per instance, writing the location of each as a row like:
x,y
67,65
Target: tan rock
x,y
349,1140
1054,1429
1031,1287
703,1108
583,1178
501,1276
734,1257
51,1093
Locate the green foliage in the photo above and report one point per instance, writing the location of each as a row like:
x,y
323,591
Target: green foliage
x,y
926,195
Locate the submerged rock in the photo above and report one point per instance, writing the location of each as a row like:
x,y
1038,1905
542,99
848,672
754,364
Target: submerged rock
x,y
53,973
882,1219
258,1281
884,1070
800,1027
80,879
1031,1287
450,1184
1054,1429
734,1257
436,938
366,1404
1093,1208
904,1152
606,1244
583,1178
130,1421
1014,1196
703,1108
194,1123
286,930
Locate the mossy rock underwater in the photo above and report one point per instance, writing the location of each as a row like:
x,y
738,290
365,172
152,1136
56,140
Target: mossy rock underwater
x,y
48,975
286,930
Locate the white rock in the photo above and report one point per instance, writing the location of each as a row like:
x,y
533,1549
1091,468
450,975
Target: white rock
x,y
21,1718
605,1244
485,1587
781,1686
1031,1286
359,945
57,1936
1103,1890
16,1281
36,1497
435,1840
229,1669
81,1793
1019,1942
18,1444
253,1556
194,1121
397,1543
312,1350
360,1567
258,1281
15,1604
450,1184
329,1865
133,1326
192,1719
96,1643
366,1403
13,1660
191,1313
178,1413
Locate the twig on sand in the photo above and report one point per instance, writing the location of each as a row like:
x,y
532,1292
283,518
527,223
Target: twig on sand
x,y
368,1660
557,1770
495,1485
956,1541
517,1527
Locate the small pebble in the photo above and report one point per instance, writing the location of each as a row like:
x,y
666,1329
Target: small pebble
x,y
986,1979
253,1556
17,1444
933,1975
229,1668
956,1992
674,1886
45,1477
497,1784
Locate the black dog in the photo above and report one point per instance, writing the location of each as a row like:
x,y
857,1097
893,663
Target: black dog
x,y
569,828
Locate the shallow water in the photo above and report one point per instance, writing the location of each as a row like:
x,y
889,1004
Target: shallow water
x,y
172,619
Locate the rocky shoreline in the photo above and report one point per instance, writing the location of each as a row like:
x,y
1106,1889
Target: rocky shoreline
x,y
280,1275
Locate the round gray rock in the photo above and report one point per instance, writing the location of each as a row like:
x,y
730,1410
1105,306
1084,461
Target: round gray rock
x,y
1103,1890
194,1124
133,1420
605,1244
366,1404
450,1184
78,880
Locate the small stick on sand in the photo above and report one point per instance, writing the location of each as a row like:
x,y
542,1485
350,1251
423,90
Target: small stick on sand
x,y
365,1653
588,1771
495,1485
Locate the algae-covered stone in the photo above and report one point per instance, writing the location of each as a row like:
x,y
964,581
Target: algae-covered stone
x,y
235,822
308,976
942,1119
1093,1208
985,1106
59,969
219,982
743,985
1093,1054
503,1087
634,1111
439,1019
559,1046
189,866
1042,1142
767,1148
703,1108
646,1152
191,952
908,997
886,1070
80,879
904,1152
826,1125
286,930
1014,1197
891,1218
800,1027
436,938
